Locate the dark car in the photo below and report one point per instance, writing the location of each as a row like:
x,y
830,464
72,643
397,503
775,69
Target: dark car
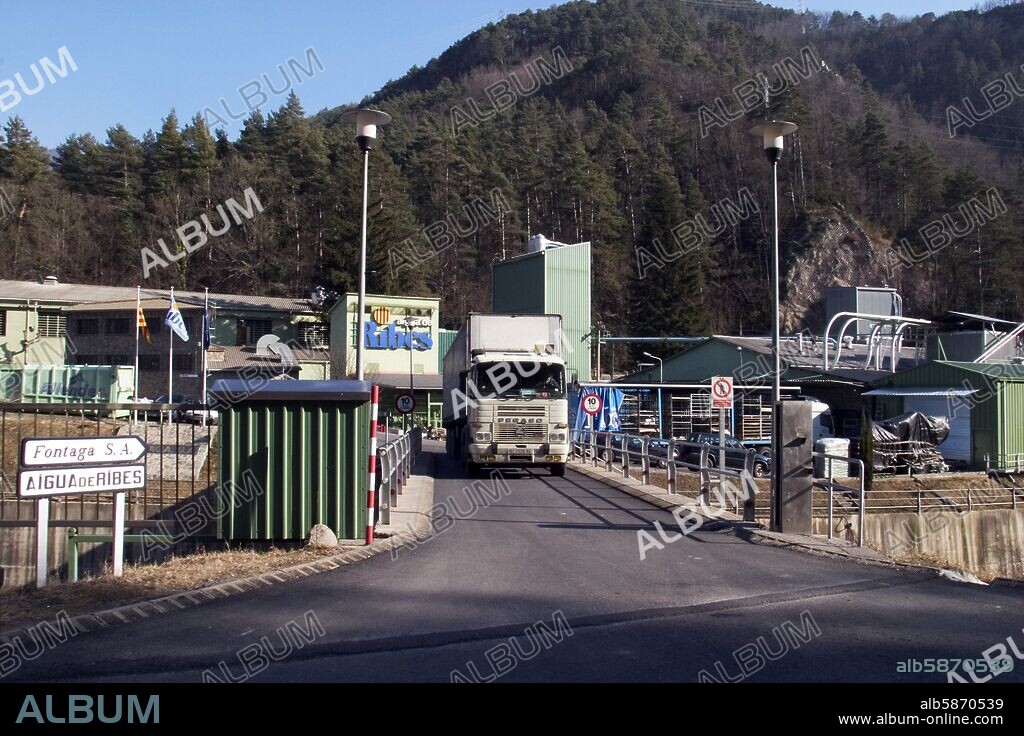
x,y
735,453
177,415
657,449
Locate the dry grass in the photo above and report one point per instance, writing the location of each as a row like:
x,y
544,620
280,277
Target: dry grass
x,y
29,605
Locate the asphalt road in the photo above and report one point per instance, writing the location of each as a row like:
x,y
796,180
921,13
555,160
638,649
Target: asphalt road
x,y
563,551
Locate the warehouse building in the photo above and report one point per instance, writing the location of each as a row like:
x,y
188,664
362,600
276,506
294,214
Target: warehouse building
x,y
983,401
552,278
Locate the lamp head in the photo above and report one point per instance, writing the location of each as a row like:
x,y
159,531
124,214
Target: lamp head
x,y
366,121
772,133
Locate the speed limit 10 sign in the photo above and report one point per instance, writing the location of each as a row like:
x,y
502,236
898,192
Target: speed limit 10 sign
x,y
405,403
592,404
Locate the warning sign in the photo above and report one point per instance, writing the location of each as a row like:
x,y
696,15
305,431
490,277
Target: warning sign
x,y
722,393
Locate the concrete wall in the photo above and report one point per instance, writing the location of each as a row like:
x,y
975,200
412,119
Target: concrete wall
x,y
986,541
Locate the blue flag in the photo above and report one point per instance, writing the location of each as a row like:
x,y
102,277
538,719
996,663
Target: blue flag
x,y
207,336
175,321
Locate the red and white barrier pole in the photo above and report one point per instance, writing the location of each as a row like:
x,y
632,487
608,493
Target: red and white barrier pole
x,y
371,489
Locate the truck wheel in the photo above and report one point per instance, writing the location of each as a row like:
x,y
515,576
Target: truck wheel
x,y
557,471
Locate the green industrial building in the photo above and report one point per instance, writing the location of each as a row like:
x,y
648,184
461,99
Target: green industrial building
x,y
983,401
551,279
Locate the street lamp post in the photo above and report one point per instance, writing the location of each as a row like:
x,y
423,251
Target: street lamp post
x,y
772,134
366,121
661,382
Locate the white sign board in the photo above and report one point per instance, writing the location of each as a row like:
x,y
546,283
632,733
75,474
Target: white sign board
x,y
76,481
75,451
722,393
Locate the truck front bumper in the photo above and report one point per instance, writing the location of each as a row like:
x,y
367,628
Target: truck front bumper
x,y
501,454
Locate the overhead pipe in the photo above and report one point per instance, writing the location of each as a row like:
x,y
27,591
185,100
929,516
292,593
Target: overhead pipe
x,y
854,317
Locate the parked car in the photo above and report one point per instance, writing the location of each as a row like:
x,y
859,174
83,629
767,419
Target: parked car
x,y
176,414
656,448
196,415
735,453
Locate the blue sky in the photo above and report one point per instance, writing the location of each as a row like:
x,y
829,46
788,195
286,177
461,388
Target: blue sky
x,y
136,61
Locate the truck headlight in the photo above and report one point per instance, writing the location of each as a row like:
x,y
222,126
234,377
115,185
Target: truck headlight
x,y
483,436
556,437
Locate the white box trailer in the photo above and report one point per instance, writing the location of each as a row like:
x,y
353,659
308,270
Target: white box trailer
x,y
505,395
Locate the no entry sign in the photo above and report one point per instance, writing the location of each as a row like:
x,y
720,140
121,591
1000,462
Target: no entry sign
x,y
722,393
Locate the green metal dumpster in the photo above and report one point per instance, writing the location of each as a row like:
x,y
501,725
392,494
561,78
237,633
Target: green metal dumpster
x,y
292,454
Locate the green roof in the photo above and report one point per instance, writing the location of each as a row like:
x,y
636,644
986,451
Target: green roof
x,y
1006,371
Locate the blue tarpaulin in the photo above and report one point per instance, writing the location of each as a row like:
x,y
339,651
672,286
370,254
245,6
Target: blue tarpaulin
x,y
608,419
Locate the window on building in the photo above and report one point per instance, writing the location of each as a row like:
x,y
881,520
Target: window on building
x,y
155,323
192,327
87,327
149,362
3,322
120,360
118,325
83,359
314,335
52,324
185,363
257,328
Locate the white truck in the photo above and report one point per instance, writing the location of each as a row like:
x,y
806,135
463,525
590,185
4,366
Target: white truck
x,y
505,397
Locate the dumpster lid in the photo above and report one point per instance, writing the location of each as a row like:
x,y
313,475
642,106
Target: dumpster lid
x,y
232,391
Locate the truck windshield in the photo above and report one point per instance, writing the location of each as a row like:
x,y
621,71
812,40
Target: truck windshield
x,y
526,380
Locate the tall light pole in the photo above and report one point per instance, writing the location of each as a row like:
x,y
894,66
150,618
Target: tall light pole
x,y
772,133
661,381
366,121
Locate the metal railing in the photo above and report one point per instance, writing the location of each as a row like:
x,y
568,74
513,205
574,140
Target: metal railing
x,y
618,451
831,487
1013,463
181,461
394,467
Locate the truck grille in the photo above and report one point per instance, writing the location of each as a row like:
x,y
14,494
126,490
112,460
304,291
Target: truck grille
x,y
511,415
520,433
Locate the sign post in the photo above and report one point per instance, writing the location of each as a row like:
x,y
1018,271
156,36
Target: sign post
x,y
592,406
75,466
722,397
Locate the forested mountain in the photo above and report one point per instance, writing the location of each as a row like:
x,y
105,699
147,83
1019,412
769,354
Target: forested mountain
x,y
622,122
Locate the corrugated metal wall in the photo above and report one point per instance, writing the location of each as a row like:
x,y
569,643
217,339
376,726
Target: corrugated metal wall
x,y
568,293
518,286
445,340
285,466
555,281
1012,420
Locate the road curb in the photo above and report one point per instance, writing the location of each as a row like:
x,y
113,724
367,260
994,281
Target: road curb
x,y
142,610
663,500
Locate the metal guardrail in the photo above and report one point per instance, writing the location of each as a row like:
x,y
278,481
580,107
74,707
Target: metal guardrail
x,y
829,484
595,447
394,467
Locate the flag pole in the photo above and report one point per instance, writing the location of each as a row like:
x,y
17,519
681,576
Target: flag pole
x,y
138,330
170,362
207,328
